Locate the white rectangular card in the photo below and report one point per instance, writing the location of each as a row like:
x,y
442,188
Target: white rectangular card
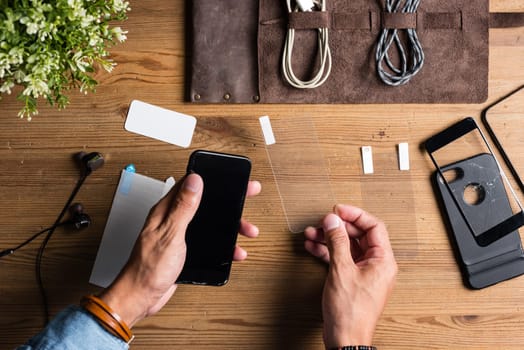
x,y
160,123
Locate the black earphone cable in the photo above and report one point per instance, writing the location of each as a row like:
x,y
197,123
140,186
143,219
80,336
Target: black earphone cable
x,y
29,240
89,163
38,261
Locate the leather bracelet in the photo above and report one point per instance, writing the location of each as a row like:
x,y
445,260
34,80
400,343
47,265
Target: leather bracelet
x,y
355,347
107,318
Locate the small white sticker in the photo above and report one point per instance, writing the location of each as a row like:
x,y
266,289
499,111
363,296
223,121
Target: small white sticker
x,y
265,124
367,159
403,156
161,124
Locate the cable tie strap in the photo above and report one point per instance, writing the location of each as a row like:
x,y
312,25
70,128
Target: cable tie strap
x,y
441,20
399,20
506,19
309,20
396,71
110,320
321,19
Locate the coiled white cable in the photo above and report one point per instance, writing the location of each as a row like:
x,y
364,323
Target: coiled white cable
x,y
324,51
399,75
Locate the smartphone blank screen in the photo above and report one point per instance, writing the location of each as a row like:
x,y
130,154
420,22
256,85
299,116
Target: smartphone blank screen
x,y
211,235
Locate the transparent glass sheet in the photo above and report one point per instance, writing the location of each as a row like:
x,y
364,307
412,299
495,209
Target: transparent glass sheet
x,y
478,185
300,172
388,194
506,121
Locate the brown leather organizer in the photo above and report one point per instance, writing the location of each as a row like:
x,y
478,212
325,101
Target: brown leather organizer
x,y
236,50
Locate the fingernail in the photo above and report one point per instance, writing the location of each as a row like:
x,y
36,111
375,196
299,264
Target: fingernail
x,y
331,222
193,183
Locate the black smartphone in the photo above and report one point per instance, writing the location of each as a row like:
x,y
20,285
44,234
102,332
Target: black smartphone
x,y
212,234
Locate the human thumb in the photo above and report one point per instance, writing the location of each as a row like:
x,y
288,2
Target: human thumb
x,y
337,239
186,201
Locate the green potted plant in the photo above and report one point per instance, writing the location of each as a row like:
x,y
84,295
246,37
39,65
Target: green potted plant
x,y
50,46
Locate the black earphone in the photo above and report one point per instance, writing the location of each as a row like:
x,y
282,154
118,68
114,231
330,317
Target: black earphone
x,y
88,163
79,219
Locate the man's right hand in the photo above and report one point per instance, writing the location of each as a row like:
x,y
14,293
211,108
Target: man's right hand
x,y
362,271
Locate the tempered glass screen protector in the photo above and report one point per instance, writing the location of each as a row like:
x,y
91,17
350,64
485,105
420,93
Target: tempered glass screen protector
x,y
300,170
480,187
388,194
505,122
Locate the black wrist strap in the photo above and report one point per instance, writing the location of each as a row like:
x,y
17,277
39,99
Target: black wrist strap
x,y
355,347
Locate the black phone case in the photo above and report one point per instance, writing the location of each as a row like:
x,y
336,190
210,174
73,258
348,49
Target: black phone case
x,y
503,259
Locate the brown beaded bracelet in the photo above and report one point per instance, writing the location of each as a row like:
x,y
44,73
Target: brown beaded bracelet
x,y
107,317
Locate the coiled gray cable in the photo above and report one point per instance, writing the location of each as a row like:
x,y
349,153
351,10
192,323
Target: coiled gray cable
x,y
325,54
411,59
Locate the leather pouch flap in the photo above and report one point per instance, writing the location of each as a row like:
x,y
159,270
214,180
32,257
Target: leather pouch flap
x,y
222,39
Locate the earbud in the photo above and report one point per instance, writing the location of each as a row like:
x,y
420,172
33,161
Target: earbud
x,y
89,162
78,218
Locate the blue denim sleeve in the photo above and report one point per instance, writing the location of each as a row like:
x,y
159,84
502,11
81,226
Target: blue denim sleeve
x,y
74,328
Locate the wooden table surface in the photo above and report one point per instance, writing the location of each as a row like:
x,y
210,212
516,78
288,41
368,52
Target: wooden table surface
x,y
273,298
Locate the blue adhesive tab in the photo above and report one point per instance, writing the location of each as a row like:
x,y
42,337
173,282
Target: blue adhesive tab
x,y
130,168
